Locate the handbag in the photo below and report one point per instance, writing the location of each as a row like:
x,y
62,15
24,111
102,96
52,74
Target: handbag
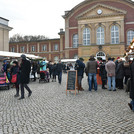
x,y
14,78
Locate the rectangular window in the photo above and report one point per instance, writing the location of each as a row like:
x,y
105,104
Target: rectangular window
x,y
12,49
33,48
44,48
22,49
56,47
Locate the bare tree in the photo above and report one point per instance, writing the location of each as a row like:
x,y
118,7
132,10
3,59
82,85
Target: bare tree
x,y
20,38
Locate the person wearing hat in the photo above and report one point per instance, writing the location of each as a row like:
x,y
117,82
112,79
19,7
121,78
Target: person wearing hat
x,y
91,69
80,66
25,69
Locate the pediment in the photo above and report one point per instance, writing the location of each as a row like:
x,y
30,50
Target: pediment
x,y
105,11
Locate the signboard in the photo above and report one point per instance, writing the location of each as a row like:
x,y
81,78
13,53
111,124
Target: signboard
x,y
71,81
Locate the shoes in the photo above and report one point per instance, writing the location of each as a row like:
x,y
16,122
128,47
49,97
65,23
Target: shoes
x,y
30,94
109,90
114,90
130,105
21,98
17,95
104,88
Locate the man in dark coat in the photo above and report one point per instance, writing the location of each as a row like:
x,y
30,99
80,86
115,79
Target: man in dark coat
x,y
131,104
103,74
80,66
119,74
59,71
25,69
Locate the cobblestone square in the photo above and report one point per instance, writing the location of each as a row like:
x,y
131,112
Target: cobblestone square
x,y
50,111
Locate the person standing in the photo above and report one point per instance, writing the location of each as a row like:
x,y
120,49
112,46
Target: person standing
x,y
91,70
49,65
120,74
54,71
25,69
15,70
34,69
59,71
103,74
80,66
110,68
131,104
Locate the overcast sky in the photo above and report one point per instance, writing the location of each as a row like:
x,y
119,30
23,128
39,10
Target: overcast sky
x,y
36,17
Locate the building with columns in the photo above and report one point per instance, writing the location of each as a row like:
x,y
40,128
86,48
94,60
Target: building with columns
x,y
4,34
101,28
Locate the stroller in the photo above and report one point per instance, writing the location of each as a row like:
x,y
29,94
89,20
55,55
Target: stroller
x,y
44,76
4,82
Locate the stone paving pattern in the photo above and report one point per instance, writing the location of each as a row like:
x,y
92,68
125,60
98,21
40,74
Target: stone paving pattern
x,y
50,111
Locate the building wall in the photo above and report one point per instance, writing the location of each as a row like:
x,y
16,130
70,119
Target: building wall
x,y
85,15
4,34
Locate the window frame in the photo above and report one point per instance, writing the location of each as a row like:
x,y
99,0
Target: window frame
x,y
130,37
22,49
101,40
55,47
86,36
12,49
32,50
115,39
75,41
43,48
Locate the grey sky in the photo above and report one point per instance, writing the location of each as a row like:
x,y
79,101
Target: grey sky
x,y
36,17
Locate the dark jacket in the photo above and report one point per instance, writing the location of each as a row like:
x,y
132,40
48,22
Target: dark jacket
x,y
25,71
92,66
132,81
103,72
16,70
54,69
127,71
59,67
34,68
120,71
80,66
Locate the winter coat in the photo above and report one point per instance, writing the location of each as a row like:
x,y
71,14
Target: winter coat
x,y
103,72
132,81
127,71
34,67
80,66
59,67
120,71
91,67
110,68
16,70
54,69
25,69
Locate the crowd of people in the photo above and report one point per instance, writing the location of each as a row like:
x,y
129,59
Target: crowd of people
x,y
114,73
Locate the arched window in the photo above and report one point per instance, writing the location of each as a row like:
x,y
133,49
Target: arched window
x,y
86,36
75,40
100,36
115,34
101,55
130,36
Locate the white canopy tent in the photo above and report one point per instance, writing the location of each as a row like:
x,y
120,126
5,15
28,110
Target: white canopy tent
x,y
16,55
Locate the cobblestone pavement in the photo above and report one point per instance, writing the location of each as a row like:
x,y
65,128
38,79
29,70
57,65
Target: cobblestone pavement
x,y
50,111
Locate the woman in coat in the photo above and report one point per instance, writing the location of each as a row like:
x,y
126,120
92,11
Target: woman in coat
x,y
15,70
